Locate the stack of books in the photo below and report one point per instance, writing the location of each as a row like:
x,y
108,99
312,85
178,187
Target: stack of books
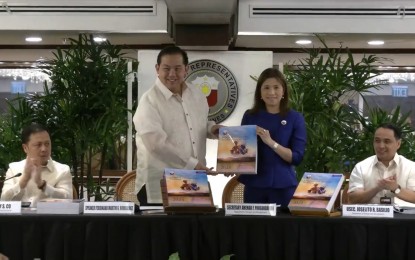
x,y
60,206
402,206
186,191
316,194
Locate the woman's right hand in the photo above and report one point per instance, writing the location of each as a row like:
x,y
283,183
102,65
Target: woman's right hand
x,y
264,135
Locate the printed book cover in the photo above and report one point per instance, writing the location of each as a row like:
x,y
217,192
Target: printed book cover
x,y
316,193
186,188
237,150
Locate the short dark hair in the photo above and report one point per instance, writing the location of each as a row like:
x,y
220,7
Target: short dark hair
x,y
396,131
170,50
259,104
32,129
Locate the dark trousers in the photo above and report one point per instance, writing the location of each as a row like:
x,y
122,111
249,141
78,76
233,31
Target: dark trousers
x,y
142,198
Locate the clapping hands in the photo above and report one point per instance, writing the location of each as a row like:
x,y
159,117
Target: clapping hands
x,y
32,170
388,183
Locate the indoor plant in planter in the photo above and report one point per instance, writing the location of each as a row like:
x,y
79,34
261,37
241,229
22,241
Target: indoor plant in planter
x,y
338,136
88,95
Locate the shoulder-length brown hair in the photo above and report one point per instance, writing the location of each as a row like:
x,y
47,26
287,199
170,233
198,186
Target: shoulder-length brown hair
x,y
259,104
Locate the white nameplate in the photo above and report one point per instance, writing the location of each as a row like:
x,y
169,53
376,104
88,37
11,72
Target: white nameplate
x,y
10,207
108,207
250,209
368,211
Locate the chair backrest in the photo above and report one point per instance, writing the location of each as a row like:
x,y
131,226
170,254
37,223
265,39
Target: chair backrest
x,y
233,192
74,192
125,188
344,195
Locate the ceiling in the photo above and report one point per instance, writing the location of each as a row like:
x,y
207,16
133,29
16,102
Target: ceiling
x,y
16,39
194,19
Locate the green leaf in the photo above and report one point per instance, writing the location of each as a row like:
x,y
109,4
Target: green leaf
x,y
226,257
174,256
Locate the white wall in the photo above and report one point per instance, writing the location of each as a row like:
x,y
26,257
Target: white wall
x,y
242,65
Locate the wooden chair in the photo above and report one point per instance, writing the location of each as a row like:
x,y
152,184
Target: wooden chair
x,y
233,192
74,192
125,188
345,196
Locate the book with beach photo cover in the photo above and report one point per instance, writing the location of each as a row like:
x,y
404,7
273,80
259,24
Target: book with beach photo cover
x,y
237,150
316,194
186,191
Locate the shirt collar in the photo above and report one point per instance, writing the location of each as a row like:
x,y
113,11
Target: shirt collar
x,y
395,159
49,165
165,91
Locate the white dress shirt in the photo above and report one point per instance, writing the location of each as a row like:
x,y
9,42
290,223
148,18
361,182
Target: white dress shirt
x,y
368,172
58,183
171,133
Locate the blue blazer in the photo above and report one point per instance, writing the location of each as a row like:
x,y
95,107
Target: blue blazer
x,y
288,131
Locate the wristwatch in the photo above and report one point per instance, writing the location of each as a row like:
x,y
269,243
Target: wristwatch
x,y
397,190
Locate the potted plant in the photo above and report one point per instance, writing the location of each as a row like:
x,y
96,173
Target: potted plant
x,y
338,136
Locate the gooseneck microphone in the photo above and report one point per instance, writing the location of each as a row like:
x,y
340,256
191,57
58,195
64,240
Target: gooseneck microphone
x,y
16,175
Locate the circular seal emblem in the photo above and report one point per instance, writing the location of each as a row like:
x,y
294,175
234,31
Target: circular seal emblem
x,y
218,84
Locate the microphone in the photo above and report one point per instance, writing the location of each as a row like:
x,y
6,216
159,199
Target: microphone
x,y
16,175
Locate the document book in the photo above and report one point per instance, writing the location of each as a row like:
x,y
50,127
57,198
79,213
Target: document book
x,y
60,206
186,191
316,194
237,150
402,206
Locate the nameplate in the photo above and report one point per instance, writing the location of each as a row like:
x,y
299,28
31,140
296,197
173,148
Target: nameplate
x,y
109,207
369,211
10,207
250,209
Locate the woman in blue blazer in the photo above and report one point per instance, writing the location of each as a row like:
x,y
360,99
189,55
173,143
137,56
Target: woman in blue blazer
x,y
281,145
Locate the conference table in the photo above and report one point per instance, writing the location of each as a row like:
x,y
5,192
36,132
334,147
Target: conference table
x,y
211,236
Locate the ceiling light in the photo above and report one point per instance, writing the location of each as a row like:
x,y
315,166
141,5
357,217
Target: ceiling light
x,y
100,39
377,42
33,39
302,42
